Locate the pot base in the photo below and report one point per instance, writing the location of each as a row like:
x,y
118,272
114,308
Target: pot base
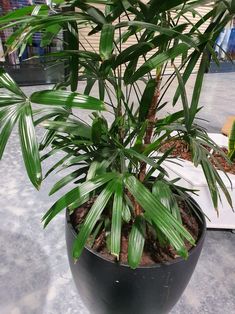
x,y
109,288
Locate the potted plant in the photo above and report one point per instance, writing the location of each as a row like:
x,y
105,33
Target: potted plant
x,y
135,236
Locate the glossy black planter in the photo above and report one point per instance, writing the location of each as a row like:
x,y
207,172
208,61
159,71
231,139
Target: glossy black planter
x,y
110,288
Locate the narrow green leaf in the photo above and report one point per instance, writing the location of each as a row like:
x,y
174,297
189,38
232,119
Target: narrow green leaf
x,y
150,161
96,14
29,146
94,167
155,145
162,30
210,178
99,129
8,124
108,2
50,135
106,41
130,70
78,128
7,100
126,213
76,160
169,119
139,143
117,219
223,187
67,179
68,99
47,139
158,6
83,55
50,113
73,44
20,13
89,85
194,57
133,52
3,113
232,6
101,89
147,99
136,242
97,168
50,34
214,55
92,218
184,98
198,87
58,163
76,204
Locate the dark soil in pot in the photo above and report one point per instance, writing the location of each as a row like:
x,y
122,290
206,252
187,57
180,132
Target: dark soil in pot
x,y
153,251
108,287
181,150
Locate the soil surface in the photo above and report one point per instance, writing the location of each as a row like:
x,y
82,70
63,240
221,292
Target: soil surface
x,y
224,164
153,251
181,151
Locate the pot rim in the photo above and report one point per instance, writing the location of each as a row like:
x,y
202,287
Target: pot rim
x,y
157,265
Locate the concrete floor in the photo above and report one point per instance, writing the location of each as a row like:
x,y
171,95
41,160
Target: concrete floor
x,y
217,99
34,271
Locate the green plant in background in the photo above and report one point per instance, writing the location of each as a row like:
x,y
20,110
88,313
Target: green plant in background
x,y
116,158
231,143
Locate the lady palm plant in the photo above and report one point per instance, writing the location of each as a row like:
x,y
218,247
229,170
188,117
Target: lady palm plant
x,y
117,163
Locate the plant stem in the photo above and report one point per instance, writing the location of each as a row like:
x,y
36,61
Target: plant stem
x,y
152,110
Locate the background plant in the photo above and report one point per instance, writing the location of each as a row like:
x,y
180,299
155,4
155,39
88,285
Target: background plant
x,y
116,161
231,144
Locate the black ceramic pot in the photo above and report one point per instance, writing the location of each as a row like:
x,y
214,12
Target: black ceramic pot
x,y
109,288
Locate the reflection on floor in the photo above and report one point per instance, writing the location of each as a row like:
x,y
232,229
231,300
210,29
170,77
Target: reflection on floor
x,y
34,271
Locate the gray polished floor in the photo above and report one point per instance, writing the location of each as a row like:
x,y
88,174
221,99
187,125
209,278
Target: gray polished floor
x,y
34,271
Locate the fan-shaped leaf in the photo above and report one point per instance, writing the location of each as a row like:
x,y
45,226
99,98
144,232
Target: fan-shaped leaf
x,y
92,218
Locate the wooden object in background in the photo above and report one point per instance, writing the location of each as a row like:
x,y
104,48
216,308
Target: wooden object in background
x,y
226,129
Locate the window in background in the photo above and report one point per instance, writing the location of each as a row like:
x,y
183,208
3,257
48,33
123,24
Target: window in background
x,y
225,49
21,66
